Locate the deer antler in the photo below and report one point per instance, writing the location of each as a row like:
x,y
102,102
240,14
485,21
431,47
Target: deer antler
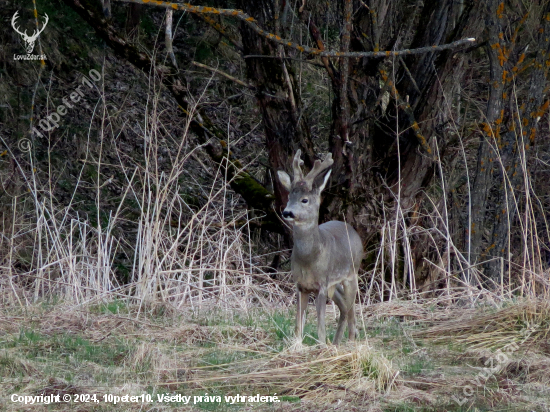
x,y
318,167
297,167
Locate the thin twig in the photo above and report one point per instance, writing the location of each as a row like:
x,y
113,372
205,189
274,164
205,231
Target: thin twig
x,y
261,56
411,77
224,74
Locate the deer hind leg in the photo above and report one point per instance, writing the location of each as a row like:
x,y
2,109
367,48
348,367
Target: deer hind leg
x,y
301,309
338,298
350,292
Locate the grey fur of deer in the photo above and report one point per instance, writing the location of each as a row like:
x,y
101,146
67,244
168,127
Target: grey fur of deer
x,y
325,258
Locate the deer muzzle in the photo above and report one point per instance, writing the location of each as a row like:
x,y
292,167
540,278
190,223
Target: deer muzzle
x,y
288,215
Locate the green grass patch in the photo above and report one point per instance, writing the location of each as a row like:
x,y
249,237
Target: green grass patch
x,y
283,325
154,357
220,358
217,317
387,329
418,365
69,347
115,307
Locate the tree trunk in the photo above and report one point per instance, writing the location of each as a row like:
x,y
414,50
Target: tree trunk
x,y
518,127
507,136
372,167
285,123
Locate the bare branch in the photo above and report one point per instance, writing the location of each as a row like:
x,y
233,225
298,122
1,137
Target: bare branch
x,y
106,5
316,35
411,77
224,74
263,56
344,71
251,22
168,36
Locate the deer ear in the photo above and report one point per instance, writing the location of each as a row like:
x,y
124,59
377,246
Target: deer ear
x,y
325,180
284,178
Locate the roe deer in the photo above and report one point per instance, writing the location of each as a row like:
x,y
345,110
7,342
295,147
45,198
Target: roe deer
x,y
325,258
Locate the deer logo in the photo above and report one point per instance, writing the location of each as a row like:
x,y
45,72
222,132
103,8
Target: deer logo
x,y
29,40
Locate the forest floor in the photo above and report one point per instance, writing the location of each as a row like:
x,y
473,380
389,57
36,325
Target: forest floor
x,y
410,357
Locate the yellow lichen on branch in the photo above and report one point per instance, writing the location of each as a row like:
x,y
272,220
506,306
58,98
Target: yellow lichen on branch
x,y
251,22
500,10
542,109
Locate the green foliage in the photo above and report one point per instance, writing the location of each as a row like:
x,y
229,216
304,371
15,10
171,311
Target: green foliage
x,y
418,365
283,325
72,348
115,307
43,354
388,329
148,25
292,399
217,357
453,407
76,40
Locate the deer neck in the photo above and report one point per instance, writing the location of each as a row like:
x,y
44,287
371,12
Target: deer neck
x,y
307,241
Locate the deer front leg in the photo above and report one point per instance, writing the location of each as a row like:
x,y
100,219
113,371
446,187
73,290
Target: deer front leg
x,y
321,305
301,303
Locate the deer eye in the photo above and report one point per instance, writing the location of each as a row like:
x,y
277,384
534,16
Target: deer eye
x,y
305,200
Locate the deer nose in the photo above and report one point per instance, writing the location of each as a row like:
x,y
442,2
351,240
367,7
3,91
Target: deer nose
x,y
287,215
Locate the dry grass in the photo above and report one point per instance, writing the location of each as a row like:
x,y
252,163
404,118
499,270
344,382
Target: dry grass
x,y
312,372
522,323
402,362
59,350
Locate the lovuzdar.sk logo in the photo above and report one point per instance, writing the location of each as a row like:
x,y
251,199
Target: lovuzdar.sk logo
x,y
29,40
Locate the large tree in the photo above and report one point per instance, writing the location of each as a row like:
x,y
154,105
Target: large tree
x,y
404,108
